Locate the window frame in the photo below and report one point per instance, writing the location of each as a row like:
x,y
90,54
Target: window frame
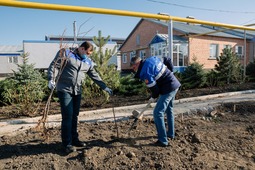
x,y
142,54
138,39
240,55
124,58
13,59
216,51
153,50
10,60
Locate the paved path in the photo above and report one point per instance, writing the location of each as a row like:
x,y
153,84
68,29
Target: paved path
x,y
182,106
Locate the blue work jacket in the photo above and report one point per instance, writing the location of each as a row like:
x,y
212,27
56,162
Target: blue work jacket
x,y
157,75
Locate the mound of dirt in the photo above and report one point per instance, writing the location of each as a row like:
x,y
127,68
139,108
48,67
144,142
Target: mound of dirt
x,y
223,139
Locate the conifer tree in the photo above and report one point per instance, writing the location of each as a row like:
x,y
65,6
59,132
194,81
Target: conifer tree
x,y
193,76
25,89
250,71
108,73
228,67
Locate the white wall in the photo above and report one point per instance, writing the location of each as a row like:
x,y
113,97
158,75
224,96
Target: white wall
x,y
42,53
8,52
5,66
114,59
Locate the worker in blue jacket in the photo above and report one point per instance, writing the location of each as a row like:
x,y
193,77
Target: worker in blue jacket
x,y
159,78
72,66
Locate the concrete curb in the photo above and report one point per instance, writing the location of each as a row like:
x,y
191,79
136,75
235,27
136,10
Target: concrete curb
x,y
213,96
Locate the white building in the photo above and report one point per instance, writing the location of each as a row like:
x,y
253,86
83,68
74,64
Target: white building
x,y
9,58
41,53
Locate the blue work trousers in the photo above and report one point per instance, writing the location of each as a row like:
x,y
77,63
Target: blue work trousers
x,y
70,107
165,105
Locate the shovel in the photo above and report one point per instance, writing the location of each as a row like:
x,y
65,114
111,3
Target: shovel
x,y
138,115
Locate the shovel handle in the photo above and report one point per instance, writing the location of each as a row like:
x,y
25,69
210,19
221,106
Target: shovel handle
x,y
136,119
145,108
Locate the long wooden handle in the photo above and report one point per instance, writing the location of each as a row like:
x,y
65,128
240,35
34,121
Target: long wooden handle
x,y
145,108
136,119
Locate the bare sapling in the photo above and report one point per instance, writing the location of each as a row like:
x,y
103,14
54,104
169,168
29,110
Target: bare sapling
x,y
60,63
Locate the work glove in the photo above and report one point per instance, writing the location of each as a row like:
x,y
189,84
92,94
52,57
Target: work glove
x,y
109,91
51,84
152,100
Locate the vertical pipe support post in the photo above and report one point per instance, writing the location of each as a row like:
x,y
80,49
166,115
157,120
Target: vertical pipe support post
x,y
170,39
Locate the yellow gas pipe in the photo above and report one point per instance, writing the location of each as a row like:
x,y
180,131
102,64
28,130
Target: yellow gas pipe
x,y
57,7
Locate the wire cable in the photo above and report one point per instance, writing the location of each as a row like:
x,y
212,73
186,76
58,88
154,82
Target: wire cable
x,y
204,9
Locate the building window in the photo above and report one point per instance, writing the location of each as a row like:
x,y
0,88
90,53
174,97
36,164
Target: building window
x,y
184,55
142,54
124,58
180,52
160,49
10,59
156,49
239,51
138,40
132,54
164,50
214,51
13,59
152,50
177,57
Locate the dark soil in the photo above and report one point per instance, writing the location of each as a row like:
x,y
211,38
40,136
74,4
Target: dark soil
x,y
221,141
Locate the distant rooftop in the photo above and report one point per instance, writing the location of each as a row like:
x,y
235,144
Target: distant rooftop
x,y
14,49
87,38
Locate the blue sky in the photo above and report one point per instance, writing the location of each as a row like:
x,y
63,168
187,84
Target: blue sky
x,y
18,24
